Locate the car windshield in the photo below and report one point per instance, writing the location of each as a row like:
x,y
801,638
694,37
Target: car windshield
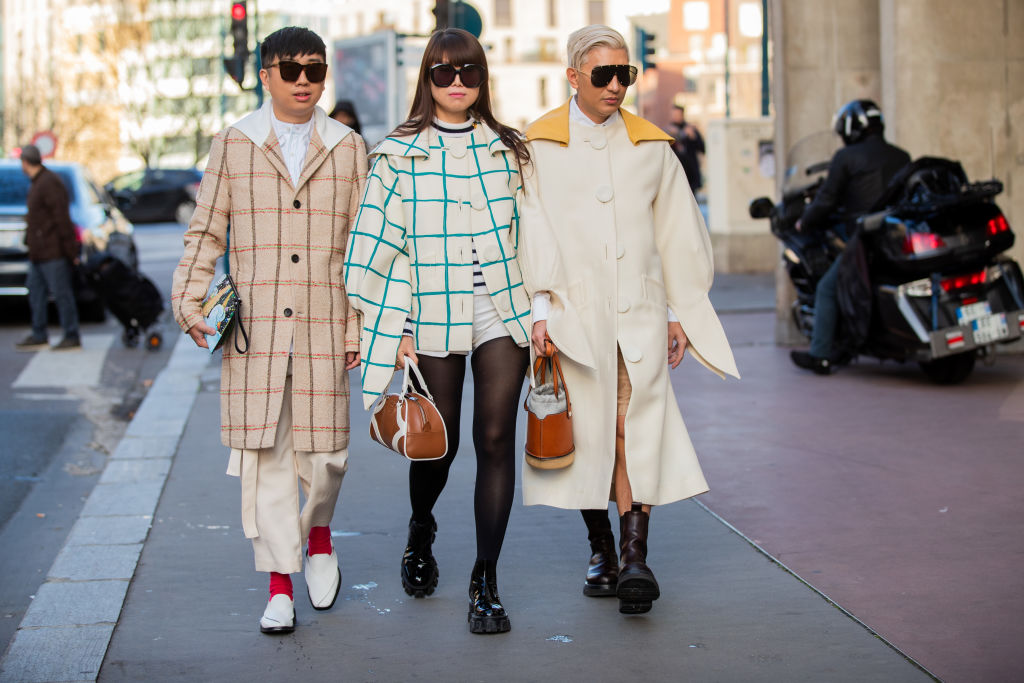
x,y
14,184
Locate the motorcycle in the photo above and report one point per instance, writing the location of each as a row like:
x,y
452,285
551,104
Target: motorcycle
x,y
936,286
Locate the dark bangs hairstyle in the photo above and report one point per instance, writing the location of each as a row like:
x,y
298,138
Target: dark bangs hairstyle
x,y
291,41
459,47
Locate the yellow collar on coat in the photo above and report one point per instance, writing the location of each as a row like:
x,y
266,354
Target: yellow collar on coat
x,y
419,144
554,126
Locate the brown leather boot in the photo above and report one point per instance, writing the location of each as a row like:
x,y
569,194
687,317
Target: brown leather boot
x,y
637,587
603,571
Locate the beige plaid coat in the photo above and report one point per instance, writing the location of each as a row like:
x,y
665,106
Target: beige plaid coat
x,y
287,252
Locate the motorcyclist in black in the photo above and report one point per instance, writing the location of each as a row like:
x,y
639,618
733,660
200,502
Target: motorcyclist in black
x,y
857,177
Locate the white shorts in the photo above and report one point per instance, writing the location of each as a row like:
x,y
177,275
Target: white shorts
x,y
487,325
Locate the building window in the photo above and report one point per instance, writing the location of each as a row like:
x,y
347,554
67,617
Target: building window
x,y
595,11
750,20
696,16
510,49
542,98
502,12
552,13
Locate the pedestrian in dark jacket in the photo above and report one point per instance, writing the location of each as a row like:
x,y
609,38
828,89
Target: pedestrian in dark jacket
x,y
688,144
857,177
52,251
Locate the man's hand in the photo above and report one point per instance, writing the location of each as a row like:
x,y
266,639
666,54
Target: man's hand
x,y
406,348
351,360
198,332
676,344
690,132
799,224
540,340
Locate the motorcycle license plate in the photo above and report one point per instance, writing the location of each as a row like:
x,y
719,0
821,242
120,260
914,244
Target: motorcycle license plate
x,y
989,328
971,312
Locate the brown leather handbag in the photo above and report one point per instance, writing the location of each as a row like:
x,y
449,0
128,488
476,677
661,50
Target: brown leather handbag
x,y
409,423
549,442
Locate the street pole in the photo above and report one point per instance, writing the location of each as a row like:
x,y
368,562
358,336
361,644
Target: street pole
x,y
765,85
727,103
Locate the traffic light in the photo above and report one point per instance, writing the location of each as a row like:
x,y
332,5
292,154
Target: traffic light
x,y
235,64
645,46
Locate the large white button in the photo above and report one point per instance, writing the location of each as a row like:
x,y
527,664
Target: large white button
x,y
604,193
623,305
457,149
621,252
478,202
503,304
598,139
492,254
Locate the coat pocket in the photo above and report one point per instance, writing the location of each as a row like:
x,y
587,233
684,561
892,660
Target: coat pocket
x,y
653,290
577,293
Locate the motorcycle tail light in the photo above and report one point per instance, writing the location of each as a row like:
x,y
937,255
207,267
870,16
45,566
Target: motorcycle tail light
x,y
997,225
960,281
918,243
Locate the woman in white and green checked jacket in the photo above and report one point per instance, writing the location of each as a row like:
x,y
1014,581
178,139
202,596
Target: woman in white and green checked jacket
x,y
431,266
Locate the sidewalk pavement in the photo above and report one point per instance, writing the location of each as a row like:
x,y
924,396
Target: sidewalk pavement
x,y
191,601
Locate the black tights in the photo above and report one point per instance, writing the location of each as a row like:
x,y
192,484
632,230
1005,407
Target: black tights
x,y
499,368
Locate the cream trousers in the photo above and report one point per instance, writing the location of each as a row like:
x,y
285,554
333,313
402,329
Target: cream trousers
x,y
271,516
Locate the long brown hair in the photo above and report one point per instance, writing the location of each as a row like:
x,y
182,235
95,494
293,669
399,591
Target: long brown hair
x,y
459,47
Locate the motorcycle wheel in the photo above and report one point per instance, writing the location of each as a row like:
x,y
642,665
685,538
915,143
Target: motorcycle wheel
x,y
951,369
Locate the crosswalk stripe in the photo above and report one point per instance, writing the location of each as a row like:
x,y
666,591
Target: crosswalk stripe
x,y
67,368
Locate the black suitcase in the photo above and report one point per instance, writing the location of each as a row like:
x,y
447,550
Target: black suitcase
x,y
132,298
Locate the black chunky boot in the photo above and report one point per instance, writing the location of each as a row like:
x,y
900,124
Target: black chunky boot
x,y
419,568
603,571
637,587
486,613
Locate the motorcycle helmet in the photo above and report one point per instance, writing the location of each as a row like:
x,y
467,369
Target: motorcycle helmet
x,y
856,119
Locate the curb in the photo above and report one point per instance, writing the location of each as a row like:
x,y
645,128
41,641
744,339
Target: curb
x,y
66,630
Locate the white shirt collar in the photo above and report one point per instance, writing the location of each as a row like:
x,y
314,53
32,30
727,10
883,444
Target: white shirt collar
x,y
576,115
293,139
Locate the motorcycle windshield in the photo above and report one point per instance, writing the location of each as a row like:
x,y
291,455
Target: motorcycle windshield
x,y
808,160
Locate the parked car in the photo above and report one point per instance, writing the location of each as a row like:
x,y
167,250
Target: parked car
x,y
100,227
157,194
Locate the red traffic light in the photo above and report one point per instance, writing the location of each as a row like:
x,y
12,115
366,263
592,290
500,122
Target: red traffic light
x,y
238,11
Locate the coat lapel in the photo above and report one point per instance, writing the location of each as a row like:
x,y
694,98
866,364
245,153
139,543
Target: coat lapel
x,y
272,149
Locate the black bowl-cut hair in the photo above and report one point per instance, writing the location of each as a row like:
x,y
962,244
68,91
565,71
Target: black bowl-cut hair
x,y
291,41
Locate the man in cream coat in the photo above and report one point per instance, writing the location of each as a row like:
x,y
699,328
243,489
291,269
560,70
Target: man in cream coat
x,y
616,256
288,180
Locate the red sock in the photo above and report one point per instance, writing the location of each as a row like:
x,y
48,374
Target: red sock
x,y
320,540
280,583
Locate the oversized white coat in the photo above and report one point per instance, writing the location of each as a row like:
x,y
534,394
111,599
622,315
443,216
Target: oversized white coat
x,y
610,228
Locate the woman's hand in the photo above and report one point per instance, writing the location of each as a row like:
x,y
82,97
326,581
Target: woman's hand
x,y
676,344
406,348
351,360
542,346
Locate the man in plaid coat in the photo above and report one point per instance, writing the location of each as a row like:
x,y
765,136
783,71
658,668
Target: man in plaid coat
x,y
287,179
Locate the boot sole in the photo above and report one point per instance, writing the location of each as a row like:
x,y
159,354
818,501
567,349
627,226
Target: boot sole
x,y
636,595
607,591
420,591
488,624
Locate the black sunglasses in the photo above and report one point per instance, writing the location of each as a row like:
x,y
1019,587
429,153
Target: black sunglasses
x,y
316,72
471,75
600,76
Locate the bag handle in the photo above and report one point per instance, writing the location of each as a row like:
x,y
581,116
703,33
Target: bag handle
x,y
540,373
407,383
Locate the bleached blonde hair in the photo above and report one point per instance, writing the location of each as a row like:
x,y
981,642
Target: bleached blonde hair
x,y
583,40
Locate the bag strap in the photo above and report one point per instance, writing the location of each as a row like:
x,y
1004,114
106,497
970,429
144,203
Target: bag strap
x,y
238,316
240,326
556,375
407,384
